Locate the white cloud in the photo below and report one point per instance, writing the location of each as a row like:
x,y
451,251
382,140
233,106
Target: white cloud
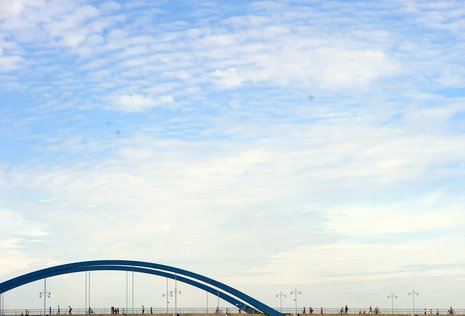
x,y
13,258
286,60
354,69
138,103
9,57
15,230
11,224
241,179
385,221
10,8
9,63
228,78
452,77
346,261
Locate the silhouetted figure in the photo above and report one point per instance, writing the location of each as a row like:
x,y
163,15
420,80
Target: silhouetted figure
x,y
70,310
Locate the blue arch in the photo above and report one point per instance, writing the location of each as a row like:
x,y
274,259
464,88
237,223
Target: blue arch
x,y
229,294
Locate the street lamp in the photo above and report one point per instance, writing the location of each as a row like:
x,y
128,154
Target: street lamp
x,y
45,294
413,293
295,292
392,296
281,295
167,294
176,292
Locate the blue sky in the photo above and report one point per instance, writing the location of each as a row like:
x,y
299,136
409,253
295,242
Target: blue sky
x,y
268,144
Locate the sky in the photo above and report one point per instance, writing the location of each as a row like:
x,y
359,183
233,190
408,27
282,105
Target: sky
x,y
271,145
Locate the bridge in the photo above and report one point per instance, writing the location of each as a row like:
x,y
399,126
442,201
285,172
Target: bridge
x,y
240,300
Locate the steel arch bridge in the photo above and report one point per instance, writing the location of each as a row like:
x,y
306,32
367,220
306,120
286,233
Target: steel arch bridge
x,y
225,292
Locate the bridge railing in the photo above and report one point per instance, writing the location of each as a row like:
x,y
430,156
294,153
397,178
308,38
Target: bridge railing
x,y
224,310
122,311
366,311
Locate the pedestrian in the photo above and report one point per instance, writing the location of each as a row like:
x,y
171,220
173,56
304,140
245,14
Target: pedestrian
x,y
346,309
321,310
143,309
370,310
303,312
70,310
50,310
58,310
310,310
151,311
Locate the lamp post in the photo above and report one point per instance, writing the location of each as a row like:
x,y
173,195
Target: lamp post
x,y
176,292
392,296
218,301
295,292
88,293
413,293
167,294
127,292
281,295
45,294
132,292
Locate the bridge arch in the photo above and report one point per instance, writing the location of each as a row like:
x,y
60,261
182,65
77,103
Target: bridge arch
x,y
227,293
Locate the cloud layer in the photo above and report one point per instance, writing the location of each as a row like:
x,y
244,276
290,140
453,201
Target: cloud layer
x,y
269,145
